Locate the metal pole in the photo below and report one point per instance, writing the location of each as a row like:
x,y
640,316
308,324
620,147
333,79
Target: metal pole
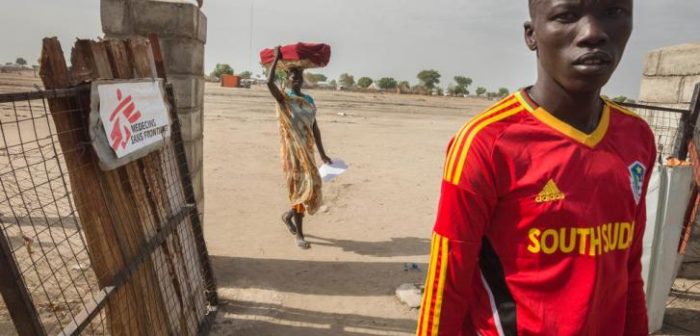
x,y
250,45
14,292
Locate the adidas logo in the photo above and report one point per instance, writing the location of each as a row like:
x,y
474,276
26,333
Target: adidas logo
x,y
549,193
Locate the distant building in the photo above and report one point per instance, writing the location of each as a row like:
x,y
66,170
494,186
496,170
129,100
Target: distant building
x,y
325,85
11,67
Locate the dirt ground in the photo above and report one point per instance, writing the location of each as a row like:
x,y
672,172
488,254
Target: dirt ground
x,y
377,217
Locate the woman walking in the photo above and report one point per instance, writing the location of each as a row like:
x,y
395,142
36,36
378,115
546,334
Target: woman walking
x,y
299,132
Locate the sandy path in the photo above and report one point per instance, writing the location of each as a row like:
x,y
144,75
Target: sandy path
x,y
379,216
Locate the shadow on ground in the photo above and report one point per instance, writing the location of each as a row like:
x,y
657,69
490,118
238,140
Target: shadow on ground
x,y
251,318
314,277
396,247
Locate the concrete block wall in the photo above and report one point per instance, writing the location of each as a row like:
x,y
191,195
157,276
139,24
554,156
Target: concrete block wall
x,y
182,28
670,76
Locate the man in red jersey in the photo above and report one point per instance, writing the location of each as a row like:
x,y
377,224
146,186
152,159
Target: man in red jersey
x,y
541,215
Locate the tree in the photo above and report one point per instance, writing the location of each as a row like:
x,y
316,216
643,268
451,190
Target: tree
x,y
312,78
21,61
462,85
315,77
364,82
347,80
333,83
429,78
404,85
222,69
463,81
461,90
502,92
246,74
492,95
387,83
480,91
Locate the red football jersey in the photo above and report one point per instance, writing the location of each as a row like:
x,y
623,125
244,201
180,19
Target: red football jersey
x,y
539,227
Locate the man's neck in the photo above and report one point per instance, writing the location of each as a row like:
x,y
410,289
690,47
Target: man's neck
x,y
581,110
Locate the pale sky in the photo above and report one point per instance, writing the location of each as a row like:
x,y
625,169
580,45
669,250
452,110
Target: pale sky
x,y
481,39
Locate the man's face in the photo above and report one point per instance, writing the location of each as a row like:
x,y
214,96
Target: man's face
x,y
579,42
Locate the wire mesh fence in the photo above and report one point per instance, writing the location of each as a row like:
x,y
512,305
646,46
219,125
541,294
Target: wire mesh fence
x,y
666,123
159,286
38,216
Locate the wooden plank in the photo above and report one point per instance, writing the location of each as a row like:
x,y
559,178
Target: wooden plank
x,y
118,59
95,64
96,221
141,57
157,55
131,236
121,58
131,205
159,311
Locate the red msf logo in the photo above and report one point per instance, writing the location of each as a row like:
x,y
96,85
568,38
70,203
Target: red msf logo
x,y
120,134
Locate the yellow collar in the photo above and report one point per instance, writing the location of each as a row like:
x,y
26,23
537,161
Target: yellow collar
x,y
590,140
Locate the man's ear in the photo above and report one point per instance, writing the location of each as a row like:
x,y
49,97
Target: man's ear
x,y
530,38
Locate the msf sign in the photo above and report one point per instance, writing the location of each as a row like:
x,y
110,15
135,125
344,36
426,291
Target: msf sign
x,y
134,116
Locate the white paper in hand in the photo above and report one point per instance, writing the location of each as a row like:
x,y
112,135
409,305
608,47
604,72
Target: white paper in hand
x,y
330,171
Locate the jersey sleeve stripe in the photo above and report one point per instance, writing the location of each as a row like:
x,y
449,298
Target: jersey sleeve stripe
x,y
434,288
459,168
459,139
428,290
427,281
457,144
441,285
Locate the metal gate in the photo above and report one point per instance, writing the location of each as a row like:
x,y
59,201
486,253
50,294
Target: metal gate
x,y
84,250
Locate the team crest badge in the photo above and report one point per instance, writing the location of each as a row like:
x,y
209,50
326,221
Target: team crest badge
x,y
637,171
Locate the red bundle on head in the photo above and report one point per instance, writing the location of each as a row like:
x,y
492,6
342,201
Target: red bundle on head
x,y
299,55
